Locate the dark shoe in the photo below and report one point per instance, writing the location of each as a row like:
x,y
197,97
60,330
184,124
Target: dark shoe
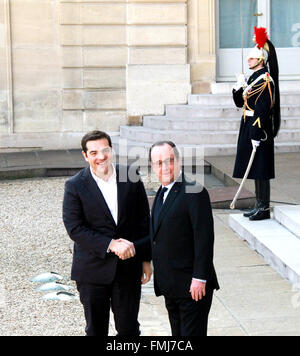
x,y
259,205
261,214
251,212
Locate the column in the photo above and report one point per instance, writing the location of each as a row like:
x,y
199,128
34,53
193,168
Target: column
x,y
201,44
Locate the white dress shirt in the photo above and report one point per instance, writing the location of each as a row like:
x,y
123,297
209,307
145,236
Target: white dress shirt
x,y
109,191
169,187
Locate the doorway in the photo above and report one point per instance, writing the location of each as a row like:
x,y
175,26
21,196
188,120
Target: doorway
x,y
235,22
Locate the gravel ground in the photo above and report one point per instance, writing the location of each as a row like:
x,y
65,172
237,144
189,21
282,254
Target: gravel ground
x,y
33,241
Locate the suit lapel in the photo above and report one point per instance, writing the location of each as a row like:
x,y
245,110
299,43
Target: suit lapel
x,y
121,186
96,193
173,194
153,206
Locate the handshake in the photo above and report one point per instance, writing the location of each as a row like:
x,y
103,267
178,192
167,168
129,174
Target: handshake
x,y
124,249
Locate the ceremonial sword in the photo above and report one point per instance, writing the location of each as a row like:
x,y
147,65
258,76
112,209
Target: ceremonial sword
x,y
232,205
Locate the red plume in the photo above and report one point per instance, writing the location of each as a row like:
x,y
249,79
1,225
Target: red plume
x,y
261,36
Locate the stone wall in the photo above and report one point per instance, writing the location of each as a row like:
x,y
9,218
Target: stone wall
x,y
94,45
69,66
157,70
4,114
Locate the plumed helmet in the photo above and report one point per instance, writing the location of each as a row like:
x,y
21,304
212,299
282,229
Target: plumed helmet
x,y
259,53
261,50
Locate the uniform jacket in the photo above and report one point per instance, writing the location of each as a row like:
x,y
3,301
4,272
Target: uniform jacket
x,y
257,127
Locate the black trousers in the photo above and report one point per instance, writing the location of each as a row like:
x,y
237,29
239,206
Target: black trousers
x,y
188,317
124,300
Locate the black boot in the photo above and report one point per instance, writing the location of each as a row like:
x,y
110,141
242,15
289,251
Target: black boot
x,y
263,211
253,211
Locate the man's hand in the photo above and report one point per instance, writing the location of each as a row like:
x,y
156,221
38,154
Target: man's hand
x,y
241,81
147,272
197,290
124,249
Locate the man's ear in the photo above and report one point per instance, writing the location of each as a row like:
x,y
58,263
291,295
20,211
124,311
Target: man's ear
x,y
84,155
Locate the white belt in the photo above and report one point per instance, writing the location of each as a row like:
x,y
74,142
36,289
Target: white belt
x,y
248,113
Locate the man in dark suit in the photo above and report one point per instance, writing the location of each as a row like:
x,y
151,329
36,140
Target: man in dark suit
x,y
107,216
182,236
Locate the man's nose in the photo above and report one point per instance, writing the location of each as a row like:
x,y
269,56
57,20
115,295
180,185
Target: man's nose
x,y
166,169
101,155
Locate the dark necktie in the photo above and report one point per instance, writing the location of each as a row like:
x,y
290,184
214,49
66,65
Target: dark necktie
x,y
158,205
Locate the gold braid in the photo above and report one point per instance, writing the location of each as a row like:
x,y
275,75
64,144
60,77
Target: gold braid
x,y
259,90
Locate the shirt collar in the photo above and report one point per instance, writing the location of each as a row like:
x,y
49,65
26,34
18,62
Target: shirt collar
x,y
99,180
169,186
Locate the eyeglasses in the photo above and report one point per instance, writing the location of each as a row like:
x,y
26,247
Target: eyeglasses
x,y
166,162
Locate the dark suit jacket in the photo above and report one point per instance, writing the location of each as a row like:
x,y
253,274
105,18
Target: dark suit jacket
x,y
182,243
91,226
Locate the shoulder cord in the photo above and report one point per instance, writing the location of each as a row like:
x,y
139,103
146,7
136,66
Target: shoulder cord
x,y
265,76
259,90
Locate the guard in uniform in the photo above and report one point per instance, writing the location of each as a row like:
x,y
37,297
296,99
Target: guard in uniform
x,y
260,123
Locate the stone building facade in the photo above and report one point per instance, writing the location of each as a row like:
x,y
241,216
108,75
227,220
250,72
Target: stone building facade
x,y
69,66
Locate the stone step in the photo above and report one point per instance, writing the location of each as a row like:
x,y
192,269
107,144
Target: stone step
x,y
136,149
226,99
193,137
180,137
198,111
229,111
288,136
133,149
278,246
208,124
289,217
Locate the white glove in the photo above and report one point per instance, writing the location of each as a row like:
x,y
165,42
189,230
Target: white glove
x,y
255,144
241,81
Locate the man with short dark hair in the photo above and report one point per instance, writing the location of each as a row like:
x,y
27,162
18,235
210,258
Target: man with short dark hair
x,y
94,136
108,219
182,236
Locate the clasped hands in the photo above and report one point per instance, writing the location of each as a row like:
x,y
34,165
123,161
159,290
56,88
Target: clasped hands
x,y
123,248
